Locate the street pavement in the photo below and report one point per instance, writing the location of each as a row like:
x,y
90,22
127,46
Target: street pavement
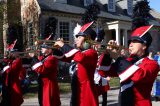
x,y
65,99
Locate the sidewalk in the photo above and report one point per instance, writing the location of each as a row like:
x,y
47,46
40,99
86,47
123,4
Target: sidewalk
x,y
65,99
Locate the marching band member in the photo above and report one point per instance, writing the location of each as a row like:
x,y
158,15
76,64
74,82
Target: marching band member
x,y
100,79
85,57
102,84
46,67
137,73
12,75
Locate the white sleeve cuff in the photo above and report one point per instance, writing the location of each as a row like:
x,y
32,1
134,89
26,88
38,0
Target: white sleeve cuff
x,y
71,53
37,65
5,68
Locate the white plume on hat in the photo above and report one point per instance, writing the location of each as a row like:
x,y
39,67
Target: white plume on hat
x,y
76,30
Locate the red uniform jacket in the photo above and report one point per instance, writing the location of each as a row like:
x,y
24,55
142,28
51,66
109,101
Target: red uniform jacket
x,y
85,69
142,74
12,79
103,66
48,72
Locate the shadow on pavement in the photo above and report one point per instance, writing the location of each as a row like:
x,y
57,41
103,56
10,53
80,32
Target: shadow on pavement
x,y
115,104
114,88
155,98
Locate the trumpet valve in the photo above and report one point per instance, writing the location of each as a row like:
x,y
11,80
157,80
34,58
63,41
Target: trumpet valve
x,y
36,43
55,45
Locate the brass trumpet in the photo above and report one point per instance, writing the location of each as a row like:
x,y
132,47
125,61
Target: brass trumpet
x,y
48,42
114,50
26,52
36,47
109,45
19,54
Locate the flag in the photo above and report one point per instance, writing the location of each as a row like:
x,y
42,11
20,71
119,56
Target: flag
x,y
48,37
11,46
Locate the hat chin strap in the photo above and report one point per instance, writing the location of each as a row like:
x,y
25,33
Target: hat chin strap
x,y
86,45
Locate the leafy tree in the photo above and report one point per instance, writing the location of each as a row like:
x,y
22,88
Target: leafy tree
x,y
91,14
1,10
50,27
141,15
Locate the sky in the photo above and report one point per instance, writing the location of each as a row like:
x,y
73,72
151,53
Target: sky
x,y
155,4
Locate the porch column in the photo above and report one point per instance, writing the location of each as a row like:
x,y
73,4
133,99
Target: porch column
x,y
125,40
118,36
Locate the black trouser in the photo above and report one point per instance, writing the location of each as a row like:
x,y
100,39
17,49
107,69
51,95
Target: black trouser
x,y
104,97
126,98
74,82
40,91
5,97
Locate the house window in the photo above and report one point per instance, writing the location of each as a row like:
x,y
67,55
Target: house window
x,y
130,7
111,5
88,2
64,30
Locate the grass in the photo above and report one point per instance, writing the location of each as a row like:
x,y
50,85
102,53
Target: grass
x,y
64,88
30,95
32,91
114,82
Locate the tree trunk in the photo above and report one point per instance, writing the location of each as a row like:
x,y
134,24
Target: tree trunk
x,y
5,26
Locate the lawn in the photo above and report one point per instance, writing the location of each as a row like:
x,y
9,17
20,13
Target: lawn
x,y
114,82
64,88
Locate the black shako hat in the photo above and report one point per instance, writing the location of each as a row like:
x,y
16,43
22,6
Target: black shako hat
x,y
86,30
142,35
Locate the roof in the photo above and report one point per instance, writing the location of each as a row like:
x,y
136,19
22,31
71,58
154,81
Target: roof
x,y
53,6
155,14
58,7
78,10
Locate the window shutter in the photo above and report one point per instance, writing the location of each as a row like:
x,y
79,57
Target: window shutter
x,y
130,7
111,5
88,2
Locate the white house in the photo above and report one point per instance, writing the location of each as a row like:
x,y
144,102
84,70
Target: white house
x,y
115,18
